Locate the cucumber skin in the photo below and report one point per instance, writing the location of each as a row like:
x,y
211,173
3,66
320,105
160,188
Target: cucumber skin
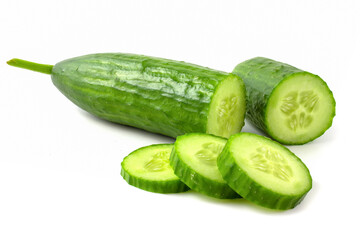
x,y
199,183
158,95
261,76
159,187
174,186
250,190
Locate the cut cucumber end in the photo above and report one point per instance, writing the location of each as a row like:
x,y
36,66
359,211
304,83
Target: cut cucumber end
x,y
300,109
194,159
227,108
264,172
148,168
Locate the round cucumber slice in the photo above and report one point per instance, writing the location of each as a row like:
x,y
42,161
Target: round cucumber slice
x,y
300,109
264,172
227,108
194,159
148,168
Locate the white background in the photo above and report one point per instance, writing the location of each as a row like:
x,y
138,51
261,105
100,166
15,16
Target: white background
x,y
59,166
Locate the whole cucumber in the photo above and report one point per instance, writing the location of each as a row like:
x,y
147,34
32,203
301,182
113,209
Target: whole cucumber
x,y
158,95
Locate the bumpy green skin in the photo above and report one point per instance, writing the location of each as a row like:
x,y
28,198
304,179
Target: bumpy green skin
x,y
158,95
261,76
166,186
250,189
198,182
175,186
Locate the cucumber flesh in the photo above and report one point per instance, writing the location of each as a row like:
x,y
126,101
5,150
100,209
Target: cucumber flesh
x,y
227,108
194,160
264,172
148,168
300,109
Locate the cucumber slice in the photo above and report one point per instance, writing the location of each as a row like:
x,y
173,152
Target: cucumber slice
x,y
264,172
194,159
291,105
148,168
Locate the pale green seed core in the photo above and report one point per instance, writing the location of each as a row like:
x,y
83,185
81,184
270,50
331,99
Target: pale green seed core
x,y
271,162
209,153
227,108
225,111
298,107
158,162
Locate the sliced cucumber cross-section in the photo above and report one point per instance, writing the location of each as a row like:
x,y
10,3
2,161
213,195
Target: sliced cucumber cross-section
x,y
227,108
148,168
291,105
194,160
263,171
299,109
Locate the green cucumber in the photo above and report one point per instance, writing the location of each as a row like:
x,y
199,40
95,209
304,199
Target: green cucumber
x,y
264,172
289,104
148,168
158,95
194,159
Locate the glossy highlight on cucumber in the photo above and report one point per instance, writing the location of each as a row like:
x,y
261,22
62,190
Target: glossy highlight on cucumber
x,y
291,105
158,95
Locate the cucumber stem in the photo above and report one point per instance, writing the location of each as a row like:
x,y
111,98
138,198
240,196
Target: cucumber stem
x,y
37,67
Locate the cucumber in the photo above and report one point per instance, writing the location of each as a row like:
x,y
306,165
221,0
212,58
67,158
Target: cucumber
x,y
292,106
193,159
264,172
148,168
158,95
